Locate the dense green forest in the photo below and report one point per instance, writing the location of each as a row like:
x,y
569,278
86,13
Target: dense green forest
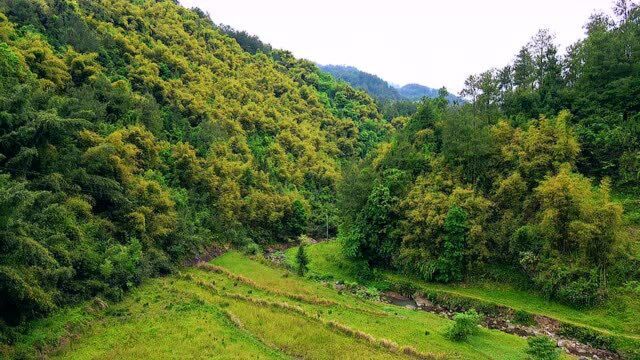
x,y
135,136
521,177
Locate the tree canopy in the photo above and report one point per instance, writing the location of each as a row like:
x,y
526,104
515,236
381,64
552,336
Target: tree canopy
x,y
137,135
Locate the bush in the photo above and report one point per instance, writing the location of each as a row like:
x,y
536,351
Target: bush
x,y
367,293
588,336
252,249
542,348
405,288
583,292
576,287
523,318
302,260
465,324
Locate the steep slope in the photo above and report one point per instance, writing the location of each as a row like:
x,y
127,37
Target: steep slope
x,y
135,135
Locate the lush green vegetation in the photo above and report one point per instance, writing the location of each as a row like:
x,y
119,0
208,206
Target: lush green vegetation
x,y
617,317
135,135
597,80
138,137
542,348
520,177
464,325
451,194
238,307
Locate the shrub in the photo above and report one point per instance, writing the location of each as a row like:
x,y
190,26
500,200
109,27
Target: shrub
x,y
583,292
542,348
405,288
573,286
588,336
369,293
302,261
252,249
465,324
522,317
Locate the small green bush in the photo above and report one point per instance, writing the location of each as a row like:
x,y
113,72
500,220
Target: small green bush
x,y
252,249
465,324
588,336
405,288
302,260
542,348
367,293
523,318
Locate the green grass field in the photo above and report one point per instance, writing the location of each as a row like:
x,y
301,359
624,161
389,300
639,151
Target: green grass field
x,y
239,308
618,317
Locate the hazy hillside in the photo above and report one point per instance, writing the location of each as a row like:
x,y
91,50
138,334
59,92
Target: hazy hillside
x,y
416,91
379,88
370,83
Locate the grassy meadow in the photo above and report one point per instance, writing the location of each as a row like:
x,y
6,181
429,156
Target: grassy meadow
x,y
236,307
618,317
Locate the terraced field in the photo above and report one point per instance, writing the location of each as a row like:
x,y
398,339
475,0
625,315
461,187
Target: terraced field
x,y
618,318
236,307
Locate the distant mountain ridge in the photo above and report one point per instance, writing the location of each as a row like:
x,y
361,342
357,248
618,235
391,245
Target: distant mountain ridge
x,y
381,89
374,85
417,91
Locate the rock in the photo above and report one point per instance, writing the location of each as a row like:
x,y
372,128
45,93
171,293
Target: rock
x,y
422,301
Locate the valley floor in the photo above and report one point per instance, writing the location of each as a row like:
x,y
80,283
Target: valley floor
x,y
237,307
618,318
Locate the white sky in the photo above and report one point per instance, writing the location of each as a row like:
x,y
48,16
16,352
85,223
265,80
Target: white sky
x,y
434,43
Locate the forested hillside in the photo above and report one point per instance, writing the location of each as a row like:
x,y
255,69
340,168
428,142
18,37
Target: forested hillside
x,y
597,80
135,136
522,178
370,83
415,92
380,89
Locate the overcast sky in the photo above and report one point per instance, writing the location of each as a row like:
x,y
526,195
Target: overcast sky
x,y
435,43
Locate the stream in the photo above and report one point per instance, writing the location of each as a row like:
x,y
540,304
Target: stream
x,y
543,326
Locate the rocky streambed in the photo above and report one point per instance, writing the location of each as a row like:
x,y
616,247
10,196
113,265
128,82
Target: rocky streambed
x,y
541,325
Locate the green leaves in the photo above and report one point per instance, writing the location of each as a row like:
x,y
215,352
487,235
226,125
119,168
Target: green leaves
x,y
465,325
